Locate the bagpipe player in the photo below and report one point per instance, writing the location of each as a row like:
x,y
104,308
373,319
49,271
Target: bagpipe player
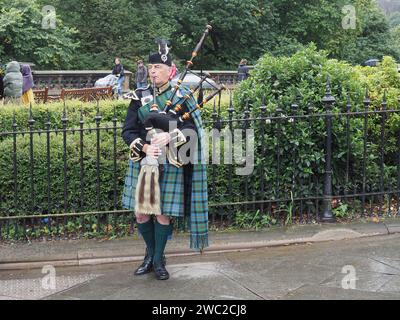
x,y
160,192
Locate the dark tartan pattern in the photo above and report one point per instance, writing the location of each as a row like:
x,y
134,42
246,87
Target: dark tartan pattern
x,y
173,181
171,189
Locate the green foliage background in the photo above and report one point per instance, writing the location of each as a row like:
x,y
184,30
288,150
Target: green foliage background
x,y
91,33
301,80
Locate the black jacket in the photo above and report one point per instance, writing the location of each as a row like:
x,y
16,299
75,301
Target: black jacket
x,y
118,70
243,72
133,128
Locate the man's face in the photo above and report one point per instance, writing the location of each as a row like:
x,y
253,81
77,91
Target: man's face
x,y
117,61
160,72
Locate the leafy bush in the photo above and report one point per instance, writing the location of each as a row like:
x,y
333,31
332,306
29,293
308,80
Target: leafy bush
x,y
296,86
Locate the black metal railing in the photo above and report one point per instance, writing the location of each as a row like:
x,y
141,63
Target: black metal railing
x,y
344,180
68,181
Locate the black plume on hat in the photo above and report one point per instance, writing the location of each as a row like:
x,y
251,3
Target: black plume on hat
x,y
162,56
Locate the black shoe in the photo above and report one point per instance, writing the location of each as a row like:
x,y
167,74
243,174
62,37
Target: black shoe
x,y
145,267
160,271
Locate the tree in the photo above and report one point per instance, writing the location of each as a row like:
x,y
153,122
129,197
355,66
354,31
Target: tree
x,y
241,29
320,22
109,29
24,38
372,38
394,19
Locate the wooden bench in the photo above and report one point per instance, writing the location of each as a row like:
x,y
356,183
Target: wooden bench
x,y
41,95
87,94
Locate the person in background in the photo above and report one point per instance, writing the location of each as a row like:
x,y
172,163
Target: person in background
x,y
243,70
141,75
13,83
1,84
118,70
27,85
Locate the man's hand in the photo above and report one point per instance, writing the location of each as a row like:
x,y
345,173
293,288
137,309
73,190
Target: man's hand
x,y
161,139
152,150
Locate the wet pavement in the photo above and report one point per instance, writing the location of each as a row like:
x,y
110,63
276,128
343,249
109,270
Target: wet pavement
x,y
364,268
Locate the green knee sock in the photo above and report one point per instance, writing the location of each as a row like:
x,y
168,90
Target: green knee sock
x,y
147,231
161,236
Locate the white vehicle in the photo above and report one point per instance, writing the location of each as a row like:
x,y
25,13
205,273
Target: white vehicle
x,y
108,81
191,80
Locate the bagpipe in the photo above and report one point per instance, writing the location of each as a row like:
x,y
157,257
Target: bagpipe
x,y
173,114
171,118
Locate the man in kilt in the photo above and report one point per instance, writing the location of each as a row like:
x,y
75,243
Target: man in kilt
x,y
183,190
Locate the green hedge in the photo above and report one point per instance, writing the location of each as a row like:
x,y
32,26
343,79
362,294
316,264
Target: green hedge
x,y
108,110
279,80
87,194
42,113
78,200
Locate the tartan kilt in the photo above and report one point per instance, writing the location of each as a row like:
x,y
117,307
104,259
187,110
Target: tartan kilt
x,y
171,189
